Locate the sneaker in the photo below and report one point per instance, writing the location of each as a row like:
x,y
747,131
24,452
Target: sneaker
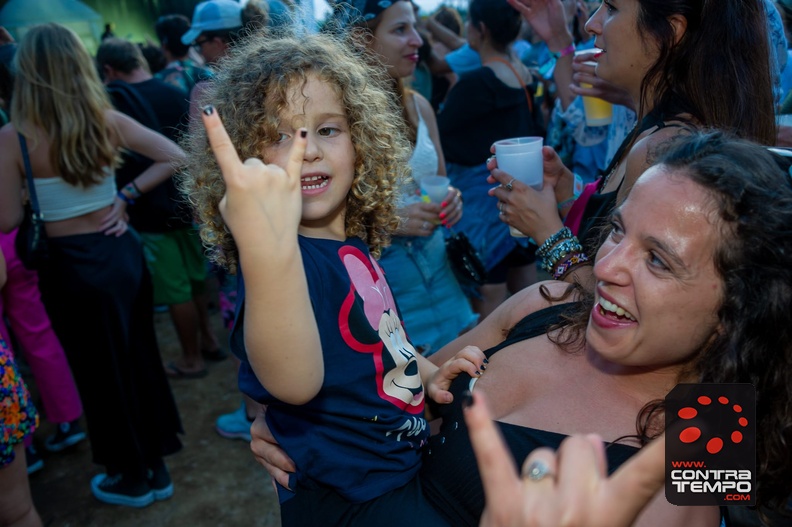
x,y
33,459
119,491
68,434
160,482
234,425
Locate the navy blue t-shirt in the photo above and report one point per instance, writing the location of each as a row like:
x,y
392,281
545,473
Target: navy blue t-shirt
x,y
363,433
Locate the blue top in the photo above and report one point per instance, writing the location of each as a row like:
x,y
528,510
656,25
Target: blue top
x,y
363,433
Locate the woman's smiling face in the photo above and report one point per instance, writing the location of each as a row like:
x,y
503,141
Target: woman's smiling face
x,y
396,39
658,292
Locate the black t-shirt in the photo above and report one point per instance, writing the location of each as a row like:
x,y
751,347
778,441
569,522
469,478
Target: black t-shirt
x,y
164,109
480,110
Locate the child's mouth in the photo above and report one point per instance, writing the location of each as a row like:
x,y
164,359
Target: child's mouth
x,y
314,182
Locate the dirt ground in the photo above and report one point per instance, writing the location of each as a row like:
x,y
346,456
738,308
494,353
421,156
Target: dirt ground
x,y
217,482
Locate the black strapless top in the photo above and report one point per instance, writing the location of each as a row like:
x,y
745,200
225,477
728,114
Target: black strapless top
x,y
450,475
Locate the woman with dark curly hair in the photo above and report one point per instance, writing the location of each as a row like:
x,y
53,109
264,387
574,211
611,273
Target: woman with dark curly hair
x,y
693,286
317,329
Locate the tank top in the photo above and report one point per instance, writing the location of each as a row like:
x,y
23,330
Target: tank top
x,y
424,161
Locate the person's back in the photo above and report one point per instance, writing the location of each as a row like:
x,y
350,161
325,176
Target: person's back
x,y
95,269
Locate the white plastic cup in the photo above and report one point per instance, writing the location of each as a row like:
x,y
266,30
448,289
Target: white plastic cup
x,y
434,189
521,158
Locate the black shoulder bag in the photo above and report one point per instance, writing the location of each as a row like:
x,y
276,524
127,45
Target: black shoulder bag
x,y
31,239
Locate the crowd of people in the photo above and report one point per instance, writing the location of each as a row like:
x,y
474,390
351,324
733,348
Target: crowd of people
x,y
379,386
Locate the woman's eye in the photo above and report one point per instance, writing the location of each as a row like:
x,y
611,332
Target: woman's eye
x,y
615,229
610,8
657,262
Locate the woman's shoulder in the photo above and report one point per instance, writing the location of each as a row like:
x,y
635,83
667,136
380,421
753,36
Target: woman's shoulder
x,y
530,300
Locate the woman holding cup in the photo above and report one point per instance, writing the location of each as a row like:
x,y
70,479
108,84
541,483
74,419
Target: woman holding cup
x,y
434,308
488,104
671,58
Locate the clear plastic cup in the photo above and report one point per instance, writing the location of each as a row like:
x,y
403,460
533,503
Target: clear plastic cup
x,y
434,189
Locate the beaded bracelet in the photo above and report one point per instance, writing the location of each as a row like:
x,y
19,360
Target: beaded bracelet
x,y
563,234
560,251
566,266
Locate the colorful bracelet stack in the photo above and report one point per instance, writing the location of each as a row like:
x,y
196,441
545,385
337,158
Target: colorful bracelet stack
x,y
129,193
560,253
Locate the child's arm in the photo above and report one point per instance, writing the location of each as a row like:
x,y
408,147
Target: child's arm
x,y
437,380
262,208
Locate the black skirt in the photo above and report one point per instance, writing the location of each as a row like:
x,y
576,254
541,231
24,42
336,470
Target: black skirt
x,y
98,294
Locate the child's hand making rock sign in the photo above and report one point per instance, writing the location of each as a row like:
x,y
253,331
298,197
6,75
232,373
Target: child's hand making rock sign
x,y
262,203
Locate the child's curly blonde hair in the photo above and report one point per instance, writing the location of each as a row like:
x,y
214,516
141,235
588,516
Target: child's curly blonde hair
x,y
249,93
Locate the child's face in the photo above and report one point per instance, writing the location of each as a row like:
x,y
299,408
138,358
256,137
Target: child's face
x,y
329,161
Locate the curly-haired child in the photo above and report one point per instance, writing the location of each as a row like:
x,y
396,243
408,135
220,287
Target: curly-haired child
x,y
320,337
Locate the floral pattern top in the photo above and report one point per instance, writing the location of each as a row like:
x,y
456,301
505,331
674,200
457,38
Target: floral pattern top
x,y
18,416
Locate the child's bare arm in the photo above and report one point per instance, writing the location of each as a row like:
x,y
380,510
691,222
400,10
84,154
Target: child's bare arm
x,y
262,208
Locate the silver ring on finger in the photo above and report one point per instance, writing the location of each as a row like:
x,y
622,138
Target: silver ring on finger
x,y
537,471
509,185
425,226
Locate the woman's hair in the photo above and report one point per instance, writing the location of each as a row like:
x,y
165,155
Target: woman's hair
x,y
250,91
501,19
719,71
57,89
752,196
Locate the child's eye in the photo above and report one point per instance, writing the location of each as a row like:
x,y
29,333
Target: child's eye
x,y
282,138
329,131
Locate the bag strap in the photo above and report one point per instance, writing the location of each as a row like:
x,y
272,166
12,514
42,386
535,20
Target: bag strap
x,y
519,79
29,176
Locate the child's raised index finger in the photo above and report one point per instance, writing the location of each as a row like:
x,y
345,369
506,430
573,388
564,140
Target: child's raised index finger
x,y
296,154
222,147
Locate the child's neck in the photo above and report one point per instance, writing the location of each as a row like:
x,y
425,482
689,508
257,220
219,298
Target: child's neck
x,y
324,232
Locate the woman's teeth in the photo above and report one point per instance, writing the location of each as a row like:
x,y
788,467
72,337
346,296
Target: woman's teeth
x,y
613,308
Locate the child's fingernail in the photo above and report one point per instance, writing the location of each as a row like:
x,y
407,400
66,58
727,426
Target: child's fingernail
x,y
486,361
208,109
484,367
444,204
442,215
478,372
467,399
303,133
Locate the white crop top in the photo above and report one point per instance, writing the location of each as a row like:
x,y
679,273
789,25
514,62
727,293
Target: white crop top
x,y
59,200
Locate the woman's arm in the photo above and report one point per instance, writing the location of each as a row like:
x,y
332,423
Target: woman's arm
x,y
11,176
494,328
166,154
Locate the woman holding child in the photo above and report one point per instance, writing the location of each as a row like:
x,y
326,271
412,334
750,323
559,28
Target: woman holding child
x,y
689,262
